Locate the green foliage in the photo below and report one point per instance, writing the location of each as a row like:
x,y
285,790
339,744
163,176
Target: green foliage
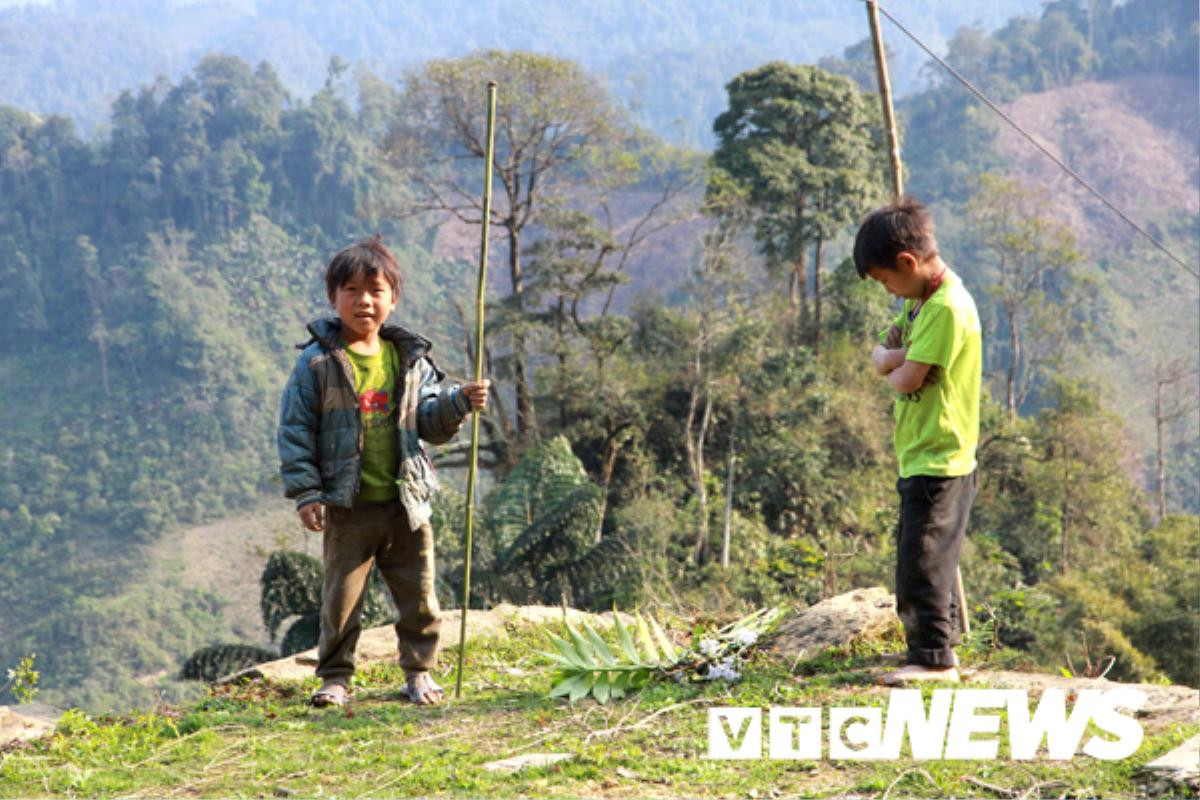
x,y
21,681
1088,630
1070,42
644,653
265,733
291,585
541,480
183,250
1162,587
290,589
560,136
538,535
588,666
799,139
217,661
1033,270
951,139
857,308
303,634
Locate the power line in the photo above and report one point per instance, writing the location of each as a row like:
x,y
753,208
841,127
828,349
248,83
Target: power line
x,y
1095,192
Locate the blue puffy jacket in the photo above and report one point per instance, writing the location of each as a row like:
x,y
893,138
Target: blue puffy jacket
x,y
320,423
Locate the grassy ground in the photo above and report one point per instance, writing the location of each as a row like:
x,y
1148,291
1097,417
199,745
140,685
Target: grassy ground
x,y
261,739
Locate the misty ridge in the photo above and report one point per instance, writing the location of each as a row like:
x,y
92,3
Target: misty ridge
x,y
668,60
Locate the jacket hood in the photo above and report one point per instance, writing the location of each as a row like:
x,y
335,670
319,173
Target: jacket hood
x,y
326,331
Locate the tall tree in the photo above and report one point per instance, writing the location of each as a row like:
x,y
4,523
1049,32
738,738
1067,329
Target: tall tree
x,y
1177,377
574,271
799,138
717,313
550,116
1036,282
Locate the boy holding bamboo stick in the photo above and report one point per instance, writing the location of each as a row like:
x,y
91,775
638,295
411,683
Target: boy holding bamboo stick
x,y
361,397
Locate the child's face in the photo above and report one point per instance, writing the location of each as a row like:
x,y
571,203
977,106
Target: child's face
x,y
363,303
903,281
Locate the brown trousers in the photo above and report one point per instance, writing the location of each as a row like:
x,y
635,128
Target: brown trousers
x,y
355,538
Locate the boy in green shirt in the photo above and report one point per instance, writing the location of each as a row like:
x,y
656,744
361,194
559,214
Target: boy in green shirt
x,y
361,398
931,356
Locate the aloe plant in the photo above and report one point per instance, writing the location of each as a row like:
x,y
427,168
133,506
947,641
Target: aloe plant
x,y
587,665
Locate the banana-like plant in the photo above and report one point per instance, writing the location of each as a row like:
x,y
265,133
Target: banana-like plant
x,y
541,526
587,665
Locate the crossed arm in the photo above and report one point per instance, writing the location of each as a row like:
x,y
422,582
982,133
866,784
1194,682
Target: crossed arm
x,y
904,376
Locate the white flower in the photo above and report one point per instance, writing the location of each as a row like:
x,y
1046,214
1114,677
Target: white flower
x,y
723,670
746,637
708,648
12,673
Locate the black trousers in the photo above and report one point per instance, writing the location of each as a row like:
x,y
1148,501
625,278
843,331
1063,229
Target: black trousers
x,y
933,522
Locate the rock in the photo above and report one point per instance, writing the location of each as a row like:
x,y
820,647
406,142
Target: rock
x,y
518,763
25,722
850,617
379,644
1164,704
1176,772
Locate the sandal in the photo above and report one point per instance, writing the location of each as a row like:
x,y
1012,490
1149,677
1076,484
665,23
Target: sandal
x,y
330,694
421,689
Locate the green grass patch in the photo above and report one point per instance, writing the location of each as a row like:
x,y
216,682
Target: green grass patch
x,y
261,738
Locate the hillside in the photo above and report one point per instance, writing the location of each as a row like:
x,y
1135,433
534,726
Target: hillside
x,y
1134,140
506,738
227,556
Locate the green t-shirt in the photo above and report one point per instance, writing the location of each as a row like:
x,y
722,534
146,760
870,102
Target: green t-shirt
x,y
937,427
375,381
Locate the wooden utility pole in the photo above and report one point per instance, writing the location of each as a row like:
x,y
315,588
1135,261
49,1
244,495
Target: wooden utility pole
x,y
889,121
885,99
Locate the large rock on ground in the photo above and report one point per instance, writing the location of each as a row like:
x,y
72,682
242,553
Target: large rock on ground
x,y
26,722
1177,773
1165,705
379,644
847,618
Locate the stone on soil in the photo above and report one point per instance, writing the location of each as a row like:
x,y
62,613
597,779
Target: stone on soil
x,y
845,619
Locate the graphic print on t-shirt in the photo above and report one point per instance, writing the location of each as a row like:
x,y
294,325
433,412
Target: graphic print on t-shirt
x,y
374,402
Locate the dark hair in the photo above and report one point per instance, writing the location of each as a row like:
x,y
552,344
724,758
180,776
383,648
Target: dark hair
x,y
367,257
901,227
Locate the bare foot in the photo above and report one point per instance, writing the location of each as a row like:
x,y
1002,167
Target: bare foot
x,y
912,673
420,688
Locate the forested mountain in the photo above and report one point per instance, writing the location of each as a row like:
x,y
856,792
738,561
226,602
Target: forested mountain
x,y
161,277
670,58
1113,94
644,336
